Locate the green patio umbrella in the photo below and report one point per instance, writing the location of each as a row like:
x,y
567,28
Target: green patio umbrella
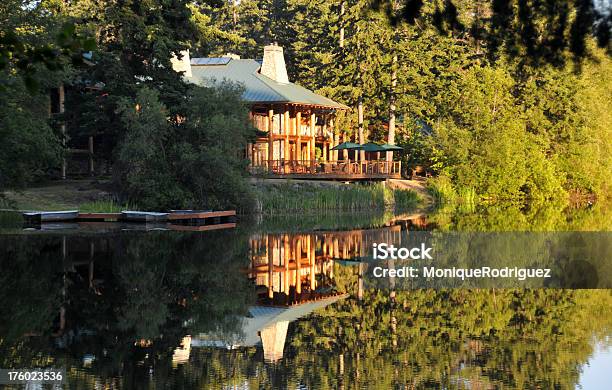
x,y
373,147
347,146
389,147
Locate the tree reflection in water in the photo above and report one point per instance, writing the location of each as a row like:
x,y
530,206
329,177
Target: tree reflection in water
x,y
131,309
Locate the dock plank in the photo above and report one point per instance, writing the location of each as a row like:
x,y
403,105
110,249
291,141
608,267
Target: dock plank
x,y
98,216
203,215
187,228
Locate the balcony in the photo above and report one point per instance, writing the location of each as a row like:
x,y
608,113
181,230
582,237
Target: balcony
x,y
331,170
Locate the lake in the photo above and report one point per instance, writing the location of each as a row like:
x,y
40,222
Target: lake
x,y
280,302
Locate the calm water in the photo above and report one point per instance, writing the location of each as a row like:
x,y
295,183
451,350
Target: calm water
x,y
278,303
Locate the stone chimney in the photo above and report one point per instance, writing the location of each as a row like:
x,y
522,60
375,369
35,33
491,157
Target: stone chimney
x,y
273,340
182,65
273,65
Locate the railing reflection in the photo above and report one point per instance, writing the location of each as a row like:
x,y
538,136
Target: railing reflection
x,y
294,268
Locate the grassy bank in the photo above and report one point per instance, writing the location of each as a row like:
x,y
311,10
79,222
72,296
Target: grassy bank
x,y
58,195
274,197
291,198
98,206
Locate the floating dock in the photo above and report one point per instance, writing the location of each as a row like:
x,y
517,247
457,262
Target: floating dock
x,y
143,216
50,216
181,220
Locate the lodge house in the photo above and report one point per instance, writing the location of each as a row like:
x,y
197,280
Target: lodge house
x,y
296,136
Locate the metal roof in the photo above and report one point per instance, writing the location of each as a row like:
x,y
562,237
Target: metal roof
x,y
258,88
210,61
259,318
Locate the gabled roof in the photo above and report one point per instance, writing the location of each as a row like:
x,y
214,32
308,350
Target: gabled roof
x,y
261,317
258,88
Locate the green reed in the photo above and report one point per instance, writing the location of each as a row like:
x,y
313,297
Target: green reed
x,y
290,198
444,193
104,206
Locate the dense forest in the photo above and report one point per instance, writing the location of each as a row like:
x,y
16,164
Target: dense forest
x,y
504,100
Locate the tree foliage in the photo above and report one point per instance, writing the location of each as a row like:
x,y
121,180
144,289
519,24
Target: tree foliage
x,y
452,59
186,161
448,59
30,146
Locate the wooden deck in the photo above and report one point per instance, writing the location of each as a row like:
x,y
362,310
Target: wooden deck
x,y
330,170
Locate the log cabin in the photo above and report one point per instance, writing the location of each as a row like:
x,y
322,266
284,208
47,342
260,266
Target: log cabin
x,y
295,126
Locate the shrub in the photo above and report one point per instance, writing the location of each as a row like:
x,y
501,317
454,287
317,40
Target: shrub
x,y
189,159
29,146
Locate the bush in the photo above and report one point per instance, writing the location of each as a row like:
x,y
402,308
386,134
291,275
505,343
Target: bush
x,y
29,146
189,159
441,189
405,199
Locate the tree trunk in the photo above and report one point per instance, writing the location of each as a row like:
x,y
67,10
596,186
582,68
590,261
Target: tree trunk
x,y
235,13
391,135
341,40
360,121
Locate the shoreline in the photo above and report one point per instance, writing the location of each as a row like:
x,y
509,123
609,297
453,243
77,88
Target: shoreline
x,y
95,195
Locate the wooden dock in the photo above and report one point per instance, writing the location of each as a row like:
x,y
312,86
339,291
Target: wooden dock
x,y
180,220
99,217
50,216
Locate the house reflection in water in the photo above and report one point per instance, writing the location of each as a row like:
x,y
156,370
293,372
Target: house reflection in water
x,y
294,276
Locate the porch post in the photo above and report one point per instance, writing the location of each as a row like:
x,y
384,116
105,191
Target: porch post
x,y
324,150
325,145
334,153
286,127
249,148
298,125
312,141
270,128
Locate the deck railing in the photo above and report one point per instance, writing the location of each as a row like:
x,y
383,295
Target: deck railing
x,y
376,168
